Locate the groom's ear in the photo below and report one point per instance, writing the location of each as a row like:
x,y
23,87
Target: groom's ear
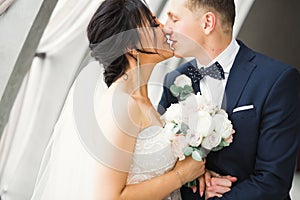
x,y
208,22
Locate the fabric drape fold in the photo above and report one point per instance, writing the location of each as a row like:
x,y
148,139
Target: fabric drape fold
x,y
42,96
4,5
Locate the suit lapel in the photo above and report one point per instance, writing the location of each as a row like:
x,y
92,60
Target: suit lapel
x,y
238,77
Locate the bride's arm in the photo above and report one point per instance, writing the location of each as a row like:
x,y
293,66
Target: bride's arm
x,y
112,183
112,174
120,128
159,187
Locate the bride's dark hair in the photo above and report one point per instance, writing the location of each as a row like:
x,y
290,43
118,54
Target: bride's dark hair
x,y
113,30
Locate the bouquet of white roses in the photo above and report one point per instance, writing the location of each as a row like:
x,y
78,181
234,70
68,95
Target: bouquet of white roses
x,y
194,125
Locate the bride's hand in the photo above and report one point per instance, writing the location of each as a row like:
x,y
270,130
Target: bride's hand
x,y
189,169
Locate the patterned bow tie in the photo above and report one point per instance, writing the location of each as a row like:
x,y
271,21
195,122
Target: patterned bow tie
x,y
214,71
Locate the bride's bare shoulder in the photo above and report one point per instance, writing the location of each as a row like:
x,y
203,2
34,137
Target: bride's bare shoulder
x,y
121,107
120,118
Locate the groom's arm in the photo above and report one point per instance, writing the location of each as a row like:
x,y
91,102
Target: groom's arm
x,y
277,145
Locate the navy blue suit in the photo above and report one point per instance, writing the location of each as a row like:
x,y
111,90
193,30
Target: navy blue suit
x,y
263,153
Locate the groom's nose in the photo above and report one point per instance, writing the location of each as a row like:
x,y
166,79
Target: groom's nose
x,y
167,29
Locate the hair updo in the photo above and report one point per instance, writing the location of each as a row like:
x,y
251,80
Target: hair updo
x,y
112,31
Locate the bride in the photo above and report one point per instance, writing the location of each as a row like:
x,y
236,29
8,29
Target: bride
x,y
135,159
128,120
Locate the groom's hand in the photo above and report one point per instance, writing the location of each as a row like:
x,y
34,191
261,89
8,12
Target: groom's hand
x,y
214,184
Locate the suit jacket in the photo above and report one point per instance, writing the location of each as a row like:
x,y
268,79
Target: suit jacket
x,y
262,101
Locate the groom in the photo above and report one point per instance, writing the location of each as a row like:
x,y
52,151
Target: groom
x,y
261,96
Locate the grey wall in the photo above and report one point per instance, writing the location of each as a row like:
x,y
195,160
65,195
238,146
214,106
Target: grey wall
x,y
272,27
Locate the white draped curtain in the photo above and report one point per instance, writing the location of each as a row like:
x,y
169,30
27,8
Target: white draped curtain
x,y
4,5
62,52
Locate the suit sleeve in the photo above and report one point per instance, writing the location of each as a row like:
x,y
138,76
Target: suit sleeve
x,y
277,145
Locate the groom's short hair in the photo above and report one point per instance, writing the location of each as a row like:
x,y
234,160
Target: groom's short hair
x,y
226,8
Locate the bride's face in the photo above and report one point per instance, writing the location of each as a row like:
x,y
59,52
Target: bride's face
x,y
154,41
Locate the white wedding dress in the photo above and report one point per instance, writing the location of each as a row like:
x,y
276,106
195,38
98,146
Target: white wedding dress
x,y
68,168
153,156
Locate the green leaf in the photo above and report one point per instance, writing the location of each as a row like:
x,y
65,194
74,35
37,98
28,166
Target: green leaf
x,y
175,90
187,151
196,155
217,148
190,184
184,127
184,96
188,89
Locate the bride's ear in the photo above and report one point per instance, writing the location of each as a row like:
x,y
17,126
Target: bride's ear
x,y
208,22
132,52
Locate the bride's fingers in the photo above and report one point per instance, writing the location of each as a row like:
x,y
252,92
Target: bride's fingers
x,y
194,188
201,185
213,174
207,176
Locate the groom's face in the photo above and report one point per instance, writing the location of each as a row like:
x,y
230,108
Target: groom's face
x,y
184,28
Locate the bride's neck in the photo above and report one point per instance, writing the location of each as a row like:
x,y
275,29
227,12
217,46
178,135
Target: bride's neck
x,y
136,80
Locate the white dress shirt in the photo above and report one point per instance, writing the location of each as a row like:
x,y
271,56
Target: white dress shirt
x,y
214,89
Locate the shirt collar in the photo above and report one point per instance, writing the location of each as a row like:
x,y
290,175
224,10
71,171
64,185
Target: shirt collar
x,y
226,58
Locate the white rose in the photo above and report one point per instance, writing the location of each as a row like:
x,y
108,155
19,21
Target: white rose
x,y
222,112
173,113
169,130
178,144
194,102
222,125
230,138
201,122
188,106
199,102
182,80
211,141
194,139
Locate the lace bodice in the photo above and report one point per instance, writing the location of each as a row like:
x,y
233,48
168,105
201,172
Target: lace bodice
x,y
152,157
